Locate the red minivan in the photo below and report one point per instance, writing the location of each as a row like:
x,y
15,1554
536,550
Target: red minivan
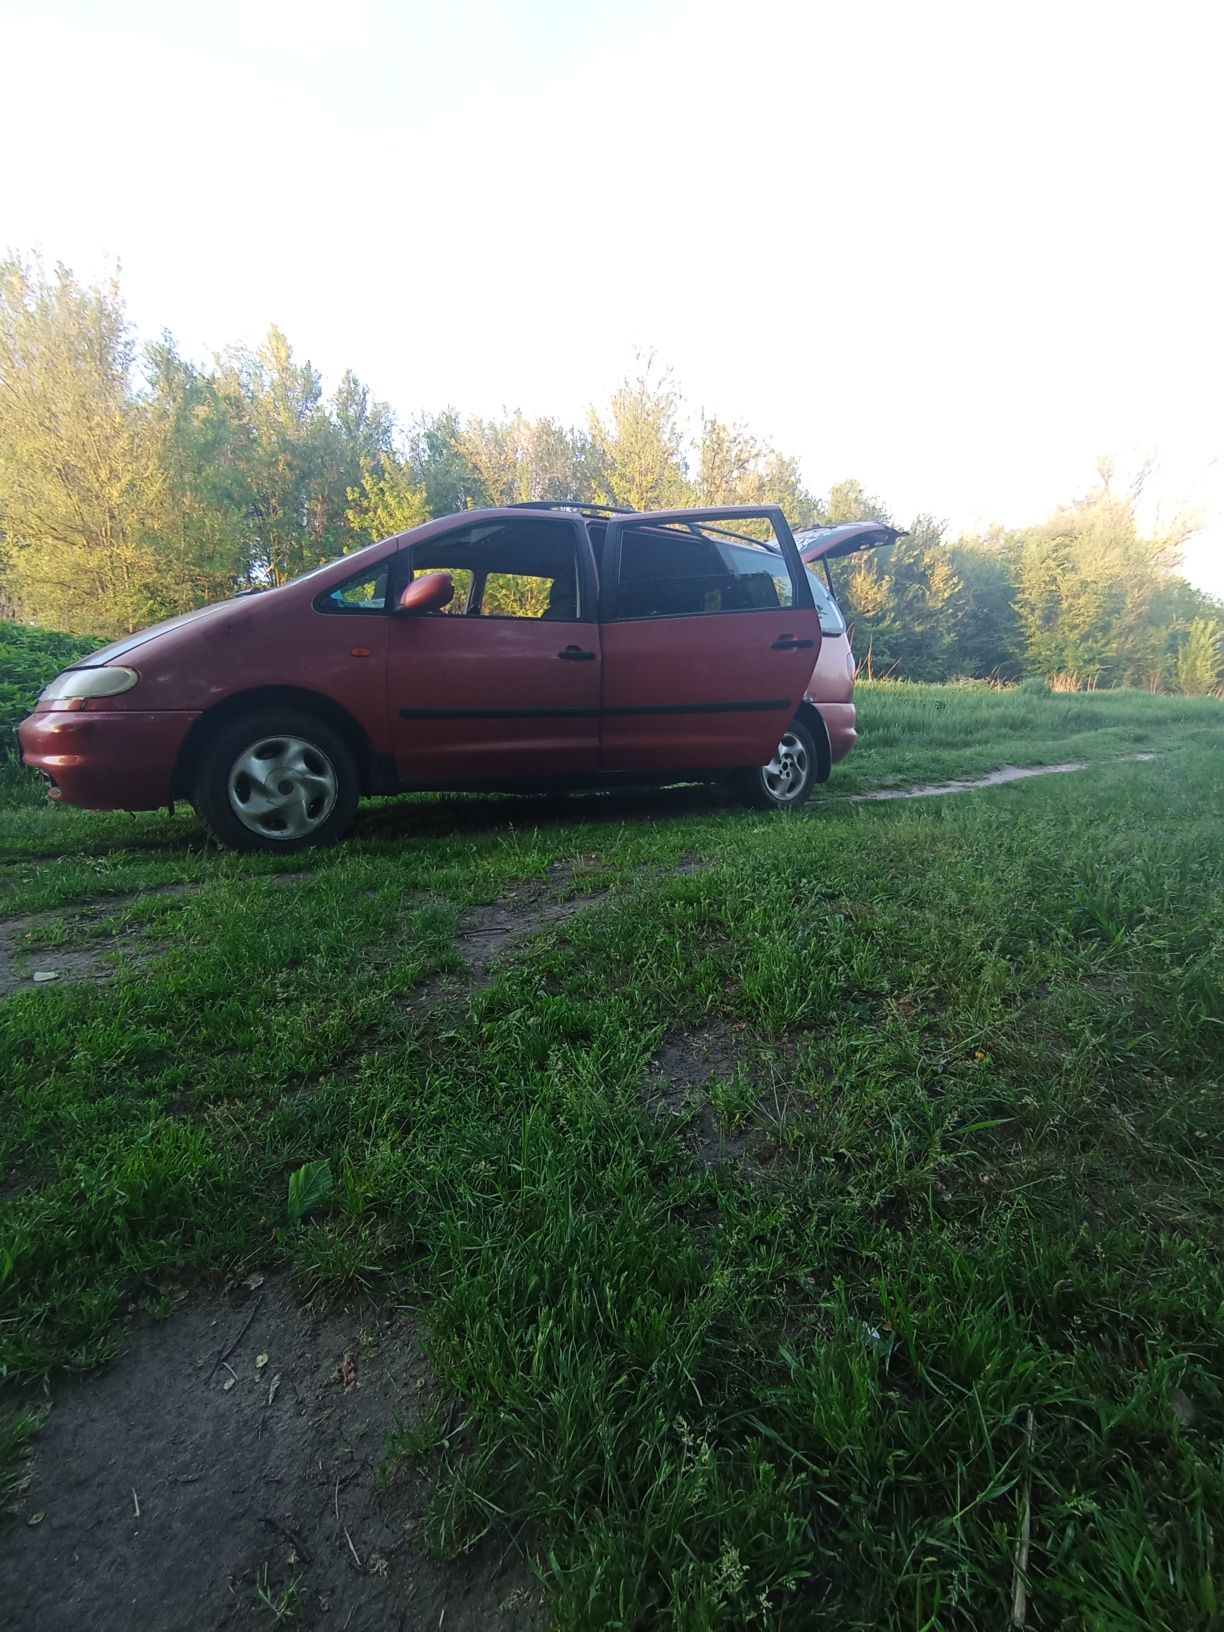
x,y
522,647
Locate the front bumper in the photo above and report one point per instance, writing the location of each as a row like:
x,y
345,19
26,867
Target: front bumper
x,y
108,759
841,723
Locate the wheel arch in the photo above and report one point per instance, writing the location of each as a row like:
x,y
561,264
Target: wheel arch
x,y
814,720
369,768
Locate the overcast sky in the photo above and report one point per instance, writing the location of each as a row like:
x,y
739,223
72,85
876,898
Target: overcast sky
x,y
957,251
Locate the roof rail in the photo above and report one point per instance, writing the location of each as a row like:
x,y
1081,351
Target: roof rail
x,y
571,504
585,509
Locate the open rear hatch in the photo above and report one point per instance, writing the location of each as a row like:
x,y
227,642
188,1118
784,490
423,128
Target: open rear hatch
x,y
848,538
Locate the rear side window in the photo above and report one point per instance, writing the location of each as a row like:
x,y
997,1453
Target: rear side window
x,y
669,573
831,620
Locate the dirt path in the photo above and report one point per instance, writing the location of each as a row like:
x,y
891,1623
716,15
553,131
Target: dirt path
x,y
172,1488
224,1471
993,779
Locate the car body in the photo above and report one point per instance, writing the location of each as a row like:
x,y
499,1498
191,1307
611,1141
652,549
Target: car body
x,y
516,647
830,689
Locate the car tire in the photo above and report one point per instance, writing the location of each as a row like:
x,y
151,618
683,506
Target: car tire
x,y
786,782
277,780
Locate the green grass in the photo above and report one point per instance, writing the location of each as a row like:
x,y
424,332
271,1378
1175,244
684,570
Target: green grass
x,y
978,1271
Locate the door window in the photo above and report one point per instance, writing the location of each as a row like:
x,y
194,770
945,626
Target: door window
x,y
668,572
508,569
461,577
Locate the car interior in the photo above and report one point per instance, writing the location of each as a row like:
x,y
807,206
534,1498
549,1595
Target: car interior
x,y
506,570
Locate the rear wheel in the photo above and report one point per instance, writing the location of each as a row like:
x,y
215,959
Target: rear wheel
x,y
277,780
787,780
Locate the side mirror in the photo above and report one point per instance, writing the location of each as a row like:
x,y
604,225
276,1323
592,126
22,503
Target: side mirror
x,y
428,594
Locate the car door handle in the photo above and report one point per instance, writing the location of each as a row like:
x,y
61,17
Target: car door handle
x,y
575,654
788,643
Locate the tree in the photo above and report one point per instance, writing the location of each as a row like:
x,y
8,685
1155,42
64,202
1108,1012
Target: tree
x,y
440,466
639,450
204,530
81,488
847,501
901,600
734,468
387,501
987,639
518,460
302,455
1087,593
1200,658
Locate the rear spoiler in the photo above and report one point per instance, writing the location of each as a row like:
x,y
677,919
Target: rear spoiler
x,y
829,543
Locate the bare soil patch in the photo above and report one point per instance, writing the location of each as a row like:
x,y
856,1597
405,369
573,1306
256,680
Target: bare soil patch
x,y
91,959
487,932
691,1071
170,1487
1005,773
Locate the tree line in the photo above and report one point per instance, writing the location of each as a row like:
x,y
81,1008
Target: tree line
x,y
136,483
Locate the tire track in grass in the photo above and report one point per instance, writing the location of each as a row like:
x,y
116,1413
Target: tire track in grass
x,y
993,779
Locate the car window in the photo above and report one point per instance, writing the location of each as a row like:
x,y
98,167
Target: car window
x,y
831,620
667,573
366,592
507,569
516,595
461,577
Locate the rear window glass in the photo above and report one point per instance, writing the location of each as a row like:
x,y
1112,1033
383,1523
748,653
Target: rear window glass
x,y
831,620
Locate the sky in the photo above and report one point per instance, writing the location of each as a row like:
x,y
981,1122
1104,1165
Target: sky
x,y
959,251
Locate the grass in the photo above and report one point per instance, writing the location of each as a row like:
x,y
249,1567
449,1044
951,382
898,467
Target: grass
x,y
977,1272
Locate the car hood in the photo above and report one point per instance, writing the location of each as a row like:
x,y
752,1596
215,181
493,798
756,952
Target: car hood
x,y
129,643
827,543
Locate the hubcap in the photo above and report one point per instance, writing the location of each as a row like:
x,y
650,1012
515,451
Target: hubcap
x,y
282,787
786,775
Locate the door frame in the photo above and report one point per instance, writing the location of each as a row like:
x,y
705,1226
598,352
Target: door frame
x,y
463,520
610,577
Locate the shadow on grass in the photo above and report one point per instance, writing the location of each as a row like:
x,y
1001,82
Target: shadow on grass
x,y
456,815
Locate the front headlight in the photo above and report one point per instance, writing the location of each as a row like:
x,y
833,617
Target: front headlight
x,y
106,681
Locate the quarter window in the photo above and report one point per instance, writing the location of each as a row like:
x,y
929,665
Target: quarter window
x,y
367,592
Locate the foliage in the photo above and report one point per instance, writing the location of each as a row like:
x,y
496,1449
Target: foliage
x,y
1086,587
308,1186
387,502
439,465
134,485
81,490
1200,658
734,468
640,445
125,501
517,460
29,659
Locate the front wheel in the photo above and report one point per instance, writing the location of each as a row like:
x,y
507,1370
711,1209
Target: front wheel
x,y
786,782
277,780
